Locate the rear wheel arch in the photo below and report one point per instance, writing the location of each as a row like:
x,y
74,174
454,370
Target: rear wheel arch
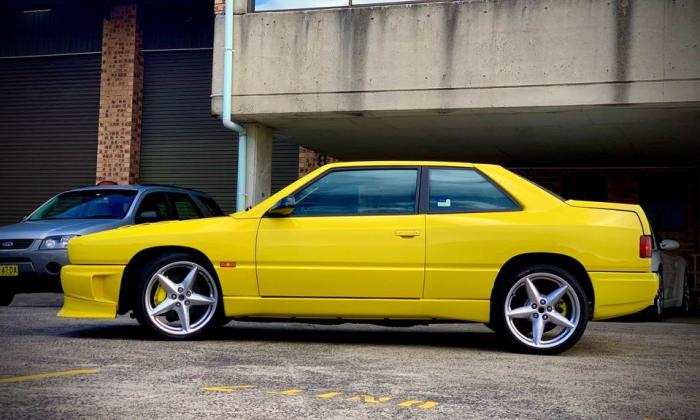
x,y
562,261
138,261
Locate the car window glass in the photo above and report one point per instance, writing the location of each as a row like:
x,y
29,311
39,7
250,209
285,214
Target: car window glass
x,y
153,208
357,192
185,208
210,205
87,204
465,190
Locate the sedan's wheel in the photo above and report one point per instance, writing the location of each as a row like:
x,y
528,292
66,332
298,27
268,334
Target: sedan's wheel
x,y
6,297
544,310
685,307
179,298
656,311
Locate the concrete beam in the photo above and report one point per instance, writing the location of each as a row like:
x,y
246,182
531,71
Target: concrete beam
x,y
465,55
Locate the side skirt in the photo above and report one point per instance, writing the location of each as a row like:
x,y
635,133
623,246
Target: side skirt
x,y
358,309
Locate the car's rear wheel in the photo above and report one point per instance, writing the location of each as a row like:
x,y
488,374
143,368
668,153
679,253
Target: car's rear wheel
x,y
656,311
542,309
685,306
6,297
178,297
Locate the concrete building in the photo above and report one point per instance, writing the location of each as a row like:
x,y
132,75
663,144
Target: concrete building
x,y
113,90
593,99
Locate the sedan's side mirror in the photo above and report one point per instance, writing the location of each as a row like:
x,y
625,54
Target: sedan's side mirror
x,y
284,207
147,216
669,245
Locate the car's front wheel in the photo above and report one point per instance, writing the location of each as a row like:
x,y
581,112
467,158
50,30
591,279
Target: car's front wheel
x,y
542,309
6,297
178,297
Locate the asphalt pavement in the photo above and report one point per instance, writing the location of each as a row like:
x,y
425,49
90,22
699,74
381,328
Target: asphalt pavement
x,y
64,368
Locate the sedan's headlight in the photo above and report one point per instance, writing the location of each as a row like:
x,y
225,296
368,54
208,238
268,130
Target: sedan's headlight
x,y
56,242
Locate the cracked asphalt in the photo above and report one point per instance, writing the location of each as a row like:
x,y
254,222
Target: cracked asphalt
x,y
110,369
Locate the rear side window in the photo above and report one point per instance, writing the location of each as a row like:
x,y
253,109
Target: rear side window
x,y
211,205
359,192
185,208
465,191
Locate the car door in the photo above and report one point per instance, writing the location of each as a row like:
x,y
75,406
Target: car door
x,y
354,232
469,223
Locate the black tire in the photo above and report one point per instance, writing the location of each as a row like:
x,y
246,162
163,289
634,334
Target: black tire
x,y
6,298
685,305
655,312
210,322
564,337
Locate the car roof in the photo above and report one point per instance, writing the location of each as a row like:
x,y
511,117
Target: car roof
x,y
140,187
398,163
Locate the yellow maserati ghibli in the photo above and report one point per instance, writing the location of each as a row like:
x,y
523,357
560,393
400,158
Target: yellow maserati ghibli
x,y
383,242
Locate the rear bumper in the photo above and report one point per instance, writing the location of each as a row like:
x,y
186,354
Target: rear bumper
x,y
618,294
90,291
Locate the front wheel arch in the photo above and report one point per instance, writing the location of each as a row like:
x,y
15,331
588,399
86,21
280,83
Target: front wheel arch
x,y
130,276
565,262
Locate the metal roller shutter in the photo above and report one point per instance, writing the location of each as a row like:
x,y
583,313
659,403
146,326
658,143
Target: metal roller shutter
x,y
181,143
49,109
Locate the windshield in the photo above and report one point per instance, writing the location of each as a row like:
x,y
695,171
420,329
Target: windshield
x,y
88,204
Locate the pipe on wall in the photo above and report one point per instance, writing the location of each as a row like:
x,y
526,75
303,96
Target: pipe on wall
x,y
226,112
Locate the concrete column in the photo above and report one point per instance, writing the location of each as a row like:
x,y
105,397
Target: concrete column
x,y
258,164
239,6
121,88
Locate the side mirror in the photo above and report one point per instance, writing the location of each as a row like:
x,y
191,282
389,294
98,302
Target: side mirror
x,y
669,245
147,216
284,207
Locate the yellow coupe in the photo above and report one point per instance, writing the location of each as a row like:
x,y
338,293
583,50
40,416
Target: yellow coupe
x,y
385,242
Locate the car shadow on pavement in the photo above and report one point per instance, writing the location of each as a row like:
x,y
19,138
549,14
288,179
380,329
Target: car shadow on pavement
x,y
306,333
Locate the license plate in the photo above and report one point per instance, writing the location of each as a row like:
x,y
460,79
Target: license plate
x,y
9,270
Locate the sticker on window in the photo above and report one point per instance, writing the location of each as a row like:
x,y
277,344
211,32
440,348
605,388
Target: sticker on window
x,y
444,202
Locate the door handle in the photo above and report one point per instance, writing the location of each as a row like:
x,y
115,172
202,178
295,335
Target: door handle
x,y
407,233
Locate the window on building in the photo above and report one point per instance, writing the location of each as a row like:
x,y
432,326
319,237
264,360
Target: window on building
x,y
588,187
359,192
185,208
664,199
465,191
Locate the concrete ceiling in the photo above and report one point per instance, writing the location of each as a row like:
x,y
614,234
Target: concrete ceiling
x,y
590,136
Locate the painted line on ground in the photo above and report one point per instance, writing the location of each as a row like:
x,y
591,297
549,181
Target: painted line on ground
x,y
363,398
47,375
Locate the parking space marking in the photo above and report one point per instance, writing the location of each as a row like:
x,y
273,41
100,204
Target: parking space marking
x,y
231,388
369,399
329,395
287,392
46,375
361,398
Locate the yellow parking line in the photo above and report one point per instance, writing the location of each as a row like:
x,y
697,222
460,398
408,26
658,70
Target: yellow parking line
x,y
287,392
46,375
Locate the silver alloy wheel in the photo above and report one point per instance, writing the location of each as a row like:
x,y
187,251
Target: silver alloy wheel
x,y
542,310
190,298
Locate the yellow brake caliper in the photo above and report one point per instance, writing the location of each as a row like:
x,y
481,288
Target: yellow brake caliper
x,y
159,296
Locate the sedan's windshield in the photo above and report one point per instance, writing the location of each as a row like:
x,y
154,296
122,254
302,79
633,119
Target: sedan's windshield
x,y
88,204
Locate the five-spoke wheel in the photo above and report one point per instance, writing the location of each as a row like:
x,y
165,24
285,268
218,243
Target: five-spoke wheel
x,y
543,310
178,297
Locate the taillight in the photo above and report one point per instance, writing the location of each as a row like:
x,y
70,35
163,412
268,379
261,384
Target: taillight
x,y
645,246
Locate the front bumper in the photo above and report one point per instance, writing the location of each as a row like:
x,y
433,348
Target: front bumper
x,y
618,294
38,269
91,291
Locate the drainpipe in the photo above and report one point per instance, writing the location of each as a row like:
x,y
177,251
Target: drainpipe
x,y
226,117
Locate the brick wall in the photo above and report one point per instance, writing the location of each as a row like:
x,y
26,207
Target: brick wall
x,y
309,160
121,90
